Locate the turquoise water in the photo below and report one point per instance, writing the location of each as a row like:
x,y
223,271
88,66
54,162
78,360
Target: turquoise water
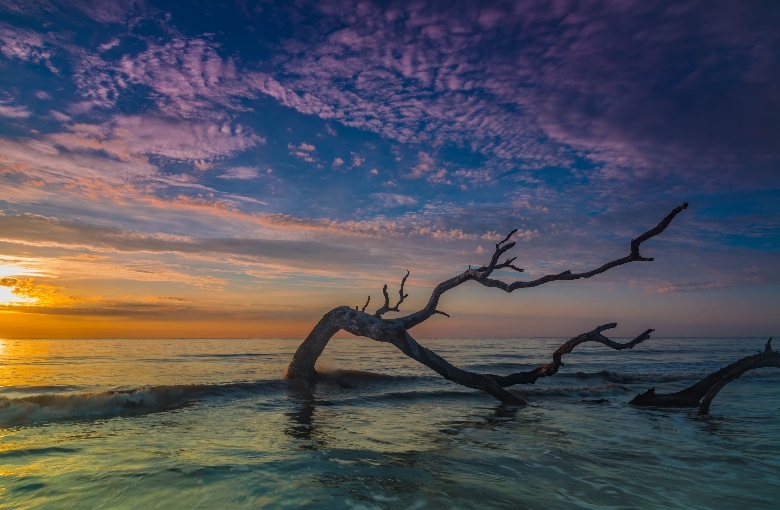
x,y
210,424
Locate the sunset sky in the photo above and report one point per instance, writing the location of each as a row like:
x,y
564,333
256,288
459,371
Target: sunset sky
x,y
237,169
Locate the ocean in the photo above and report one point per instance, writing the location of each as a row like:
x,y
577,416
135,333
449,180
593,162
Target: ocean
x,y
180,423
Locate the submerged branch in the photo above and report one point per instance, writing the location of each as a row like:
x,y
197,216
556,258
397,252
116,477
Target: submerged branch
x,y
549,369
701,394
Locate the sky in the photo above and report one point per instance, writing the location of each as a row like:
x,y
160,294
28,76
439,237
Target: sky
x,y
237,168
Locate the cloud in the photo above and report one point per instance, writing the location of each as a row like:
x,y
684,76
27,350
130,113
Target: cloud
x,y
28,293
187,76
629,90
13,112
42,232
478,177
303,151
240,172
44,161
393,200
427,168
61,117
159,136
338,162
626,89
25,45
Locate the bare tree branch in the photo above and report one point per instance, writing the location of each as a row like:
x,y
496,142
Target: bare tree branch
x,y
549,369
395,331
362,324
701,394
441,366
481,274
386,307
302,366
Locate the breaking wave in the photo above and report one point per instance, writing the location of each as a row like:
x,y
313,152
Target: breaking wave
x,y
47,407
351,387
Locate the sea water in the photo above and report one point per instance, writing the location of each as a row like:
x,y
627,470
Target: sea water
x,y
180,423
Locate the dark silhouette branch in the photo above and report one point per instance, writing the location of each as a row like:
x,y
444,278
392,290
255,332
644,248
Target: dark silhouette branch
x,y
395,331
701,394
549,369
481,275
386,307
366,305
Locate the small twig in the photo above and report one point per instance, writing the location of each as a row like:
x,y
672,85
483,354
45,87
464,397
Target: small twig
x,y
506,238
486,270
364,306
441,313
386,307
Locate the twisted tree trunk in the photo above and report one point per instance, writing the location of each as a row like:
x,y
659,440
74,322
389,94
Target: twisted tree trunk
x,y
396,331
701,394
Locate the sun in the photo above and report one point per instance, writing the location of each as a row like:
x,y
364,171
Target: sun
x,y
9,276
7,297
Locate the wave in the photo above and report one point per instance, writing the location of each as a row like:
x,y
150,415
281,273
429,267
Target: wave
x,y
635,377
361,387
37,389
48,407
603,390
43,451
647,374
237,355
360,378
531,392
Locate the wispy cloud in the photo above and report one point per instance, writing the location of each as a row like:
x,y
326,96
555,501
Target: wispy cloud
x,y
12,111
157,136
240,173
394,199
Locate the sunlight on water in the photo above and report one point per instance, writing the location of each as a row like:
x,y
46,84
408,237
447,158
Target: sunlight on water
x,y
209,424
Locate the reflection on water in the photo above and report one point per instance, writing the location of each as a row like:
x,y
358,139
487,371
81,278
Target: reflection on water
x,y
185,424
302,426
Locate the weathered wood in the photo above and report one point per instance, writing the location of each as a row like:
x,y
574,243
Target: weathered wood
x,y
549,369
396,331
701,394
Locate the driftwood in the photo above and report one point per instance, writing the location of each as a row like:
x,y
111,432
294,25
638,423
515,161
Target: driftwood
x,y
396,331
701,394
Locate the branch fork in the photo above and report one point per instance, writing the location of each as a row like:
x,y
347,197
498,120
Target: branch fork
x,y
386,307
